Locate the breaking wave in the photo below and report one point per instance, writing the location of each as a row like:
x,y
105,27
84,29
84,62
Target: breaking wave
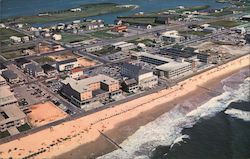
x,y
166,129
240,114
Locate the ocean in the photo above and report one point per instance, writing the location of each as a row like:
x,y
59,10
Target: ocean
x,y
12,8
218,129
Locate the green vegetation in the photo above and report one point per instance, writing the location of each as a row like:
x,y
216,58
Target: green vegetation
x,y
24,127
16,50
198,33
4,134
106,51
103,34
191,9
226,23
71,38
137,20
5,34
149,18
12,54
87,10
44,59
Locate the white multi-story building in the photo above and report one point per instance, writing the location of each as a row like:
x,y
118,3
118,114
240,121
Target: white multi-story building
x,y
67,65
145,78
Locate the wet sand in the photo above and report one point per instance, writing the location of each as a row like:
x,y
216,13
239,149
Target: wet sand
x,y
127,128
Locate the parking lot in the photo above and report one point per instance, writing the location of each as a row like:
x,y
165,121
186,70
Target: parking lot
x,y
112,71
30,94
54,85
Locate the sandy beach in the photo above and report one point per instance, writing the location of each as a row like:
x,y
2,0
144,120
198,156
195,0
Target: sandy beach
x,y
114,121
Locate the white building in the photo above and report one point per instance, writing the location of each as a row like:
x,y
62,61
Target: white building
x,y
93,48
2,25
124,46
57,37
67,65
15,39
75,9
171,36
95,25
174,69
145,78
25,39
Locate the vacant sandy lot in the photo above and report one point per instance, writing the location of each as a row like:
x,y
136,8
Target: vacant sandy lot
x,y
45,113
84,62
223,49
64,56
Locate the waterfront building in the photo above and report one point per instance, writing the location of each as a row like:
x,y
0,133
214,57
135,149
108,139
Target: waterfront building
x,y
145,78
174,69
120,28
86,91
130,85
95,25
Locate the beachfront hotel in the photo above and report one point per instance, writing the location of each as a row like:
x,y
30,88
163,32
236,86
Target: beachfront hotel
x,y
145,78
166,67
86,91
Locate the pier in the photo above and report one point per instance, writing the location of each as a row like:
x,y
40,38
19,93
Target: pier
x,y
110,140
216,93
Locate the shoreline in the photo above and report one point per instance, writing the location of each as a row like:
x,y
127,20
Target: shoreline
x,y
125,129
71,134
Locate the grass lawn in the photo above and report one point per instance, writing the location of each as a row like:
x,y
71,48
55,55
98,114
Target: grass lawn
x,y
44,59
136,20
23,127
226,23
4,134
71,38
106,51
198,33
67,15
12,54
104,35
5,34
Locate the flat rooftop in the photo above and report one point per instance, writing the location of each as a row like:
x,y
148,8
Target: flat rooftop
x,y
6,96
10,113
156,57
173,65
83,84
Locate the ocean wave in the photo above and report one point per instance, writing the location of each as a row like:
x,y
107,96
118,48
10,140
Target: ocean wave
x,y
166,129
240,114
